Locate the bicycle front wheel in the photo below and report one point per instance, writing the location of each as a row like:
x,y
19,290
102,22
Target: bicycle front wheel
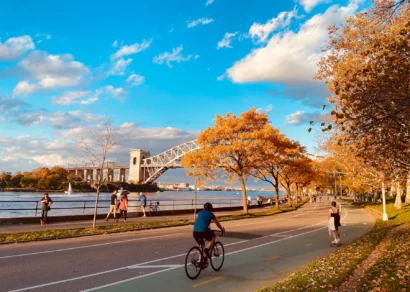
x,y
217,256
193,264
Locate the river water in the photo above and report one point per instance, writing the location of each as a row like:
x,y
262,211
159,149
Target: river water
x,y
22,204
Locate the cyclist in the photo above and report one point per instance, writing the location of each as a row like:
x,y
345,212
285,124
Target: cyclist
x,y
202,230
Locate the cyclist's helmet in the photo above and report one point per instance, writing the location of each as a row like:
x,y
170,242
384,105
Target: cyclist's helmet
x,y
208,206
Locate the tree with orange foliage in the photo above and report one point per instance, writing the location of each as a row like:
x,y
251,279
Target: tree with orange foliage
x,y
228,148
367,72
272,158
296,165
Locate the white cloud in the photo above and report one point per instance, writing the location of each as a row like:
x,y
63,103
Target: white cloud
x,y
226,41
221,77
202,21
308,5
131,49
49,160
261,32
135,79
290,57
266,109
119,66
72,119
92,99
174,56
50,71
115,92
115,44
301,117
70,97
209,2
15,47
24,88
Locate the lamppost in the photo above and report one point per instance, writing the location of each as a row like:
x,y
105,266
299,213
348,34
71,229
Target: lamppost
x,y
385,217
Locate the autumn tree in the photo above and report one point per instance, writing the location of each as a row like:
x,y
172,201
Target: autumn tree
x,y
367,71
296,165
271,156
228,148
94,149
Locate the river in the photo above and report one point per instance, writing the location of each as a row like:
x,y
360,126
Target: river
x,y
22,204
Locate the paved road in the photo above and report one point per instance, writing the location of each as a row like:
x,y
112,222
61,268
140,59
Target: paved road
x,y
258,252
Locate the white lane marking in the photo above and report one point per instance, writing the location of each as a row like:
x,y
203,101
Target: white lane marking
x,y
123,268
154,266
86,246
137,239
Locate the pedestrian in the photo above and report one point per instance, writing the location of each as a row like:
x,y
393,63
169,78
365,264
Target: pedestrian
x,y
123,206
334,223
319,194
249,200
113,206
46,202
143,200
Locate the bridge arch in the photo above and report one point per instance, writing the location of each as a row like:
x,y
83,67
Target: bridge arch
x,y
153,167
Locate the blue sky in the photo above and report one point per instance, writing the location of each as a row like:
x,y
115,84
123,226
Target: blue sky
x,y
160,69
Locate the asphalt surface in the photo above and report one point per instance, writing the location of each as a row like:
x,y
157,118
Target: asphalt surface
x,y
258,252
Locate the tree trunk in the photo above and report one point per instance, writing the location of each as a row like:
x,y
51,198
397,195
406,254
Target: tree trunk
x,y
244,201
96,207
289,195
277,196
397,203
408,188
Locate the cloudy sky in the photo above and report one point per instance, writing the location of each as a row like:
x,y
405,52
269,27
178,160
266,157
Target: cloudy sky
x,y
160,69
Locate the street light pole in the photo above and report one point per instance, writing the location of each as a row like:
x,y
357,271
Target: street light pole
x,y
384,217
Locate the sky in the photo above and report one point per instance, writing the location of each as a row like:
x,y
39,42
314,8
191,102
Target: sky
x,y
161,70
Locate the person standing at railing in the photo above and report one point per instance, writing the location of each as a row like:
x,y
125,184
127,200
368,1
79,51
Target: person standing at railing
x,y
143,200
124,206
46,202
113,206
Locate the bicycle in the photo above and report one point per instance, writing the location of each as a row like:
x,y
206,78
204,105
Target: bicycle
x,y
193,263
153,208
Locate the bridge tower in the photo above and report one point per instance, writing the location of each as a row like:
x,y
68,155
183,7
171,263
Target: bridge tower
x,y
136,173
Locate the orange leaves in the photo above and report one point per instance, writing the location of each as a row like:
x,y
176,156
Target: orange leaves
x,y
367,70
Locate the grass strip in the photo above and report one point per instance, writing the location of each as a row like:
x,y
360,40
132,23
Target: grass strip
x,y
78,232
331,270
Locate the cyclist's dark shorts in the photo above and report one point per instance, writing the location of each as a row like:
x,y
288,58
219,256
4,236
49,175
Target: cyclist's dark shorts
x,y
208,235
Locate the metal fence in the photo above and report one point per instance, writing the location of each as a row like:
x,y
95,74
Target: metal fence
x,y
20,208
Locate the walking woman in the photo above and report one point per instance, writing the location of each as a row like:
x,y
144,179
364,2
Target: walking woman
x,y
334,219
46,202
123,206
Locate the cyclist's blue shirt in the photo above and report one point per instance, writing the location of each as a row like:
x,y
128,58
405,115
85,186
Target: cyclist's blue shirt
x,y
203,221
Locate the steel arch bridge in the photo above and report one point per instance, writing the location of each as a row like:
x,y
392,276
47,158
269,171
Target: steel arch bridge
x,y
156,165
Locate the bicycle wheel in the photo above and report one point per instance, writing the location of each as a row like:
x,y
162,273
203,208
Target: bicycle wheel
x,y
151,211
192,265
217,256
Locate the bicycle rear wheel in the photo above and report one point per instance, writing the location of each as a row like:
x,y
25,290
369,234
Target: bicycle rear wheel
x,y
217,256
192,265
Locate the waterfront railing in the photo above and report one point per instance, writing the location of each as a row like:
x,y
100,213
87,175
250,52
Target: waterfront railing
x,y
20,208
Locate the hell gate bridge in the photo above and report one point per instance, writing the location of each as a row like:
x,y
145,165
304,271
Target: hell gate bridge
x,y
143,167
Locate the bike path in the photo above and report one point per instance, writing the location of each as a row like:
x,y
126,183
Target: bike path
x,y
249,265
